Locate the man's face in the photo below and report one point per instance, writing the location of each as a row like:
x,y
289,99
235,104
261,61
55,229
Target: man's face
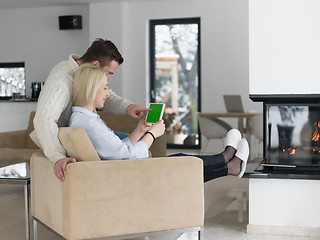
x,y
111,69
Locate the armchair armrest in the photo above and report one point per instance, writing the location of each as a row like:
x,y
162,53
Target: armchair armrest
x,y
13,139
111,198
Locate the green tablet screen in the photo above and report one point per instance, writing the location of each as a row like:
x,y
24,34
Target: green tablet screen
x,y
156,114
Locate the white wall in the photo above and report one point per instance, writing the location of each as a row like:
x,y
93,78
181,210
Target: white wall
x,y
32,35
295,207
224,44
284,46
106,22
15,115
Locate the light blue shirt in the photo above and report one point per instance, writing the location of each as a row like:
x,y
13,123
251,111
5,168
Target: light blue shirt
x,y
108,145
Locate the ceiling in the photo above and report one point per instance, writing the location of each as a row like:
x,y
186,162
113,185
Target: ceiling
x,y
7,4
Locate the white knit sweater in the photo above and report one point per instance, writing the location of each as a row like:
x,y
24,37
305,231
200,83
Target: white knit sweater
x,y
54,107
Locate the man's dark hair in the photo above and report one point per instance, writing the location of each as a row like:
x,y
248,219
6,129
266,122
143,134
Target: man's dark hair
x,y
103,51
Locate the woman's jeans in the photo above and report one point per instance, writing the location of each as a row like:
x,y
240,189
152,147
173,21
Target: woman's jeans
x,y
121,135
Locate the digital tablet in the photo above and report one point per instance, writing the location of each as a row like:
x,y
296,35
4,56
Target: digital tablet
x,y
156,113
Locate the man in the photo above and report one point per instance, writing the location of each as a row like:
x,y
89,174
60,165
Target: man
x,y
55,100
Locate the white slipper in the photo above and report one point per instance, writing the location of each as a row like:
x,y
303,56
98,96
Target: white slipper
x,y
233,138
243,154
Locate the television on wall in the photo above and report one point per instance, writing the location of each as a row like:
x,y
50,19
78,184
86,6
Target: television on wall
x,y
12,79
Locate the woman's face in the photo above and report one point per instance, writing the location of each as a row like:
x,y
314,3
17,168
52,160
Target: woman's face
x,y
102,94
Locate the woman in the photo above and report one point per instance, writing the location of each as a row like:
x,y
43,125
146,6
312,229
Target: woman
x,y
90,91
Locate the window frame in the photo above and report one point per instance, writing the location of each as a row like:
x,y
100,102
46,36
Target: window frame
x,y
152,52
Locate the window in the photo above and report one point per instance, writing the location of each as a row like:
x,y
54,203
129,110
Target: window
x,y
175,77
12,79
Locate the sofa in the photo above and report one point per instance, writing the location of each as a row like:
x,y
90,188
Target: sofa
x,y
116,199
17,146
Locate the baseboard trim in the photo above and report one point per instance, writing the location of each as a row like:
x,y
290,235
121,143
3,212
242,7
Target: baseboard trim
x,y
287,231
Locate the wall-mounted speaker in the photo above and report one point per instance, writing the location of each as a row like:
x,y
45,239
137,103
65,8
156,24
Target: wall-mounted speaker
x,y
70,22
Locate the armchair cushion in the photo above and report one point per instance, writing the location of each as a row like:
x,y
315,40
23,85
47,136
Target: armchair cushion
x,y
77,144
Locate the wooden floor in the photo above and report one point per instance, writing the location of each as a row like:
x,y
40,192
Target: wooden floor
x,y
12,218
11,212
221,220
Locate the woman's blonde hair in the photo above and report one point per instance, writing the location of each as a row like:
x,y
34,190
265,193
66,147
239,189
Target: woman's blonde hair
x,y
87,80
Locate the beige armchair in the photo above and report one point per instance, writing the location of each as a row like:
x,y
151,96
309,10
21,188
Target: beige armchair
x,y
119,199
17,146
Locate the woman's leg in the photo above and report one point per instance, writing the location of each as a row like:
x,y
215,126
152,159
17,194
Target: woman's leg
x,y
214,161
214,166
219,165
209,160
227,162
211,169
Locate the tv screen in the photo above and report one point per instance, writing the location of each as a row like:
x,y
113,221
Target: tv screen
x,y
12,79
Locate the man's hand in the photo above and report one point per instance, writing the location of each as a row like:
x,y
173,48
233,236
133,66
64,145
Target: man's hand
x,y
136,111
60,167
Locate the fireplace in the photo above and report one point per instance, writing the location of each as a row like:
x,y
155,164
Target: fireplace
x,y
291,134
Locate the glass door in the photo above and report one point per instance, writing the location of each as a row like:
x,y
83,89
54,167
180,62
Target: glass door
x,y
175,77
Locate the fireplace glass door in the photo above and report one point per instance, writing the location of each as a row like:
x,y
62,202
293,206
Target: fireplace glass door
x,y
292,134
